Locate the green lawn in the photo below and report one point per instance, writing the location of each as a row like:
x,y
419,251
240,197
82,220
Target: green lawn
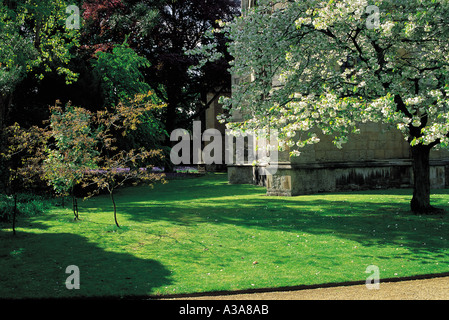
x,y
201,234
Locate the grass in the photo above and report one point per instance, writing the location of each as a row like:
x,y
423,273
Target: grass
x,y
201,234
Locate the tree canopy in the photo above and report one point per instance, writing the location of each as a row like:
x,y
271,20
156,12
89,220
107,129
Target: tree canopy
x,y
163,32
33,43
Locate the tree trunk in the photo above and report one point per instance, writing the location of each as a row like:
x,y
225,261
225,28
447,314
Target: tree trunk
x,y
75,207
5,105
115,209
2,113
420,203
170,117
14,214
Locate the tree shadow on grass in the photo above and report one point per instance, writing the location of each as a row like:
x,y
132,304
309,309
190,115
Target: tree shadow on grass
x,y
233,213
375,222
34,267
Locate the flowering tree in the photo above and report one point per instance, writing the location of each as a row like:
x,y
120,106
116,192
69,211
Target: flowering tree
x,y
332,65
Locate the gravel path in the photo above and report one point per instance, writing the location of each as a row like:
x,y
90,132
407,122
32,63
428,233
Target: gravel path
x,y
424,289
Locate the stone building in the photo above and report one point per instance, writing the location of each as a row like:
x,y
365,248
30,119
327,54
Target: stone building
x,y
211,122
377,157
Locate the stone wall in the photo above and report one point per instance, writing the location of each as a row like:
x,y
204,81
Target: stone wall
x,y
378,157
296,180
374,142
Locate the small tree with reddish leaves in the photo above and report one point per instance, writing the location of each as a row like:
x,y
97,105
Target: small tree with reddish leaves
x,y
117,168
78,147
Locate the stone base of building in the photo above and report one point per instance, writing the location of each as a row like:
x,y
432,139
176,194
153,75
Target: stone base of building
x,y
247,174
299,179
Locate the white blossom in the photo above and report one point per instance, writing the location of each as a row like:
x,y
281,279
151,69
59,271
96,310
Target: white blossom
x,y
333,73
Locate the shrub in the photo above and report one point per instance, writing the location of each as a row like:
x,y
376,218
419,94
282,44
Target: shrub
x,y
27,205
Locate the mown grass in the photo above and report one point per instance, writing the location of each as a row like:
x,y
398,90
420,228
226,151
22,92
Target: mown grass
x,y
202,234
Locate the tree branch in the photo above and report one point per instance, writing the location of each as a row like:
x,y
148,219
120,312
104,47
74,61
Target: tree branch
x,y
205,106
